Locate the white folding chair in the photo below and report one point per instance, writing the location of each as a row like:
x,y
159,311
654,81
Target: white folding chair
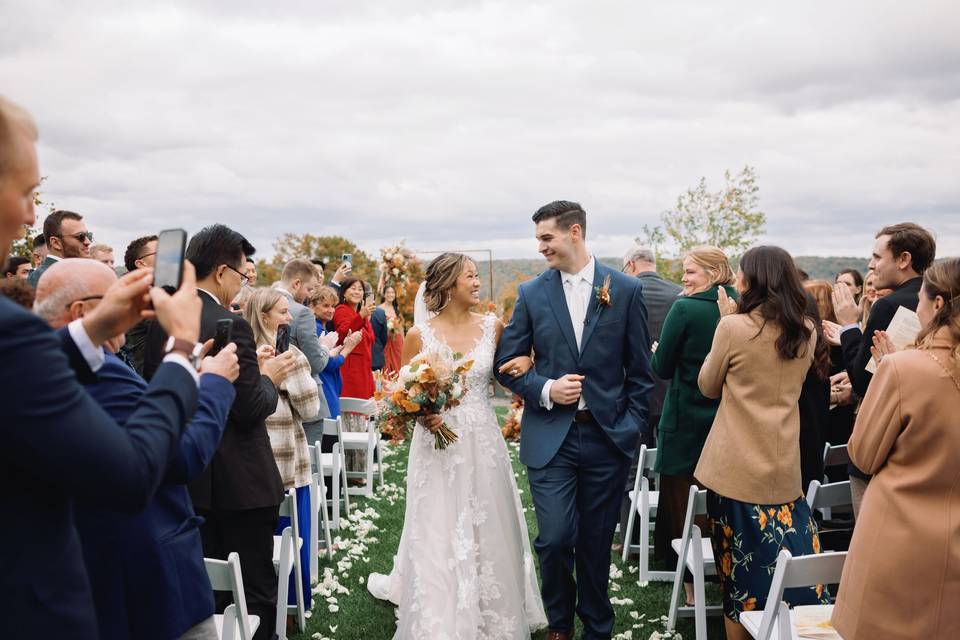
x,y
359,433
825,496
774,622
696,554
318,505
286,560
334,464
235,623
834,455
645,502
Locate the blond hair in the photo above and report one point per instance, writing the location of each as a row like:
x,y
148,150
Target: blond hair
x,y
325,294
261,301
714,261
441,278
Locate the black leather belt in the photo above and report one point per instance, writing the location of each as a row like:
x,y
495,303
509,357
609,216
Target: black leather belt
x,y
584,417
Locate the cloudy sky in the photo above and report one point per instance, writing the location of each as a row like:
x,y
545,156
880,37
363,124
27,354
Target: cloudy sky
x,y
449,122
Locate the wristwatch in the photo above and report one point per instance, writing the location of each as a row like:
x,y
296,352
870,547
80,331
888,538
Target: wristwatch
x,y
191,351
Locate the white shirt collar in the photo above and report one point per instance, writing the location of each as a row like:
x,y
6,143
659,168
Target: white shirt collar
x,y
215,298
54,258
586,273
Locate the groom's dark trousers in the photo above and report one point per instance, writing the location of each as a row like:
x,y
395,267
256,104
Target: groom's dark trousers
x,y
578,461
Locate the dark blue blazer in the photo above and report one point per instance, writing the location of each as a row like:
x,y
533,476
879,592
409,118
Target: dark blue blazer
x,y
58,447
146,569
614,359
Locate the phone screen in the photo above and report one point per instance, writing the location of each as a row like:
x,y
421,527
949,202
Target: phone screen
x,y
283,338
222,337
168,269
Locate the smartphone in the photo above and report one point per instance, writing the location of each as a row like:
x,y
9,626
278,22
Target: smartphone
x,y
367,293
283,338
168,269
222,337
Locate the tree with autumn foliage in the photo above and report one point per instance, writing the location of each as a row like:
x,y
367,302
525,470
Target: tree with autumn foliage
x,y
309,246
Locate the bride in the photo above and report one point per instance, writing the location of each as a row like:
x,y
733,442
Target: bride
x,y
463,570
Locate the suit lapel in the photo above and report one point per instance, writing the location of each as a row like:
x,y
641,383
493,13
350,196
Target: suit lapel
x,y
593,311
558,301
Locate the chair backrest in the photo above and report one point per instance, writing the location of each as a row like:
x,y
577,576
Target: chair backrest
x,y
288,507
225,575
366,407
332,426
648,458
825,496
802,571
835,455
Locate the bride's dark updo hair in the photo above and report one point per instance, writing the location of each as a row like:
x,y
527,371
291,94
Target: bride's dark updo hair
x,y
441,278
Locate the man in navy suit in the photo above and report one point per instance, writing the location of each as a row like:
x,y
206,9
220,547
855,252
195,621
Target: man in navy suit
x,y
586,401
146,570
57,446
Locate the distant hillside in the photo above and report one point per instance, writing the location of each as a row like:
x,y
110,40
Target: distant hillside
x,y
507,272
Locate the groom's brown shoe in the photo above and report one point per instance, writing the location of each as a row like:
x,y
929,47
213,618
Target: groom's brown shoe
x,y
557,635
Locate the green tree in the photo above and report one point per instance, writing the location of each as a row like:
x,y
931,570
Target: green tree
x,y
330,248
729,219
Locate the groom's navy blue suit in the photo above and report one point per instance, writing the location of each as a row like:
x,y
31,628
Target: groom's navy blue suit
x,y
577,469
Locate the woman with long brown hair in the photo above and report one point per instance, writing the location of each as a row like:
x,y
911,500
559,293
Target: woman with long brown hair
x,y
907,436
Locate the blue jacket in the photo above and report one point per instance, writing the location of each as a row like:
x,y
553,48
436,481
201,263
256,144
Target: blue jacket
x,y
59,448
332,384
614,358
146,569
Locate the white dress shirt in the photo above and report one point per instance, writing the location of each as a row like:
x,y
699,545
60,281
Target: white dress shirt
x,y
577,288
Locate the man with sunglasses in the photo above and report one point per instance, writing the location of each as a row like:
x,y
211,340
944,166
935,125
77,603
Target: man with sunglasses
x,y
67,237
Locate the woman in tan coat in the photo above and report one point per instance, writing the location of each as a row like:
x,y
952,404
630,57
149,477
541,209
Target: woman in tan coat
x,y
762,349
902,575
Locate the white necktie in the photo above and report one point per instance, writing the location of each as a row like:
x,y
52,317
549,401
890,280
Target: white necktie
x,y
578,313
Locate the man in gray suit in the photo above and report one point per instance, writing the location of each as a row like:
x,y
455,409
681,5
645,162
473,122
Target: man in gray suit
x,y
658,297
298,282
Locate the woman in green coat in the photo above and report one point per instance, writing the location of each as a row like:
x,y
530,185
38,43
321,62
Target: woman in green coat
x,y
685,341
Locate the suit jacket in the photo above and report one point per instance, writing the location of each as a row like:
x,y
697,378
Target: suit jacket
x,y
906,434
856,344
34,276
243,474
613,358
303,335
658,296
146,569
687,413
57,447
381,336
758,421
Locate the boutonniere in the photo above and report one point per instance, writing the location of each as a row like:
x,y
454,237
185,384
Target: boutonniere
x,y
603,294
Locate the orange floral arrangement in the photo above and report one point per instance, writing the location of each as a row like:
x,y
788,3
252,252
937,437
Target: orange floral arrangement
x,y
511,425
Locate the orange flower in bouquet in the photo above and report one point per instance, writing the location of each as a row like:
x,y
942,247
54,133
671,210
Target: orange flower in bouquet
x,y
511,425
430,384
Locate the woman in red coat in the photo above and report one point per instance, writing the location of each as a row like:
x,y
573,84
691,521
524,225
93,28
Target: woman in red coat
x,y
353,314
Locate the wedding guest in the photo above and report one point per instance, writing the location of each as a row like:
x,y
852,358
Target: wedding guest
x,y
49,464
67,237
687,413
323,303
906,434
853,280
299,400
251,272
102,253
814,401
378,321
17,290
146,569
17,267
353,314
658,296
901,253
393,328
340,276
839,422
761,352
140,254
39,252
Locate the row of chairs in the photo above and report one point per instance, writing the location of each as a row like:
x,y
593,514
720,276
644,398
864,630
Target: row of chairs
x,y
697,551
225,575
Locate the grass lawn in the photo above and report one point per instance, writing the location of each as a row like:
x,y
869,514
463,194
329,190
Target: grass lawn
x,y
344,610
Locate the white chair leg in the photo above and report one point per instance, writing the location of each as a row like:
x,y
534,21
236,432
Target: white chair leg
x,y
699,592
380,458
315,530
644,537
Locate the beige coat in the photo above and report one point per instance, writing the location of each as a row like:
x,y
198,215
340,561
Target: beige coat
x,y
752,453
902,575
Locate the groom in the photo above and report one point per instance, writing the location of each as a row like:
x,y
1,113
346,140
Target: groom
x,y
585,404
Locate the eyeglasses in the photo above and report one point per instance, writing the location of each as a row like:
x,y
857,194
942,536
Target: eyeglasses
x,y
81,236
147,255
243,279
85,299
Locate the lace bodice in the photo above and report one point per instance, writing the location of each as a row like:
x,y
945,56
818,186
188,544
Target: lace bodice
x,y
478,378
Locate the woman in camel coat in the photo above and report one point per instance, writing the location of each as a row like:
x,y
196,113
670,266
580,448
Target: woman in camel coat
x,y
902,575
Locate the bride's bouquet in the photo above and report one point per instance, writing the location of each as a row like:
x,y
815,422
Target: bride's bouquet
x,y
430,384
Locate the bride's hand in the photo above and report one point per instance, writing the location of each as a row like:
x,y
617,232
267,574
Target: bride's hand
x,y
432,422
517,366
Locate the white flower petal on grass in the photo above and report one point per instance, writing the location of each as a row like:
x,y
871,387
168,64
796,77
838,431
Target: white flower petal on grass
x,y
333,608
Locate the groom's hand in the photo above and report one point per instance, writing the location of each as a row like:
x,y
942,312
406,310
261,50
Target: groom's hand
x,y
566,389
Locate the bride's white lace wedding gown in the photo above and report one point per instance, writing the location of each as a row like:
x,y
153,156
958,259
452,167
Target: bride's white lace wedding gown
x,y
464,570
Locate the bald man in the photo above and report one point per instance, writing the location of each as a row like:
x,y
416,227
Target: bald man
x,y
147,584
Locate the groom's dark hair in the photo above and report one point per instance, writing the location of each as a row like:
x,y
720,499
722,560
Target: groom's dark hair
x,y
565,213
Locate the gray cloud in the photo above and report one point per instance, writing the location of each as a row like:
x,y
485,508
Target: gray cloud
x,y
448,123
